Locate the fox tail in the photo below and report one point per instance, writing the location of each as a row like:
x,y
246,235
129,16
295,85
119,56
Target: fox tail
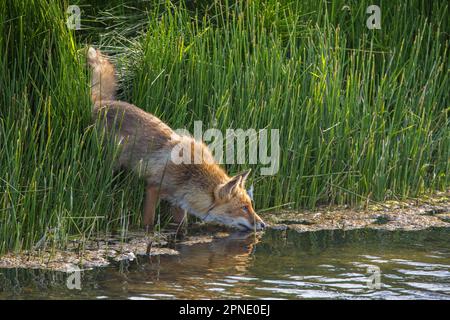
x,y
103,80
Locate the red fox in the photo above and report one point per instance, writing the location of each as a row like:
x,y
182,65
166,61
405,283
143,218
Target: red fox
x,y
202,189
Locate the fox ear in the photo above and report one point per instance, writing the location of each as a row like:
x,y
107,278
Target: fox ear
x,y
250,192
244,175
228,188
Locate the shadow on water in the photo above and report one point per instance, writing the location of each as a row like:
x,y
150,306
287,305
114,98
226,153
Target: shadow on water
x,y
367,264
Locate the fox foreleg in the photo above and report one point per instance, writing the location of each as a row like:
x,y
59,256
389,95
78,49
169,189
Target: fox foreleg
x,y
151,199
178,214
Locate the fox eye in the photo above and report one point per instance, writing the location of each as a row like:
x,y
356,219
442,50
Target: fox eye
x,y
245,208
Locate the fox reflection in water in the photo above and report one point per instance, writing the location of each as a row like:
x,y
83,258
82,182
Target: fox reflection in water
x,y
231,252
196,267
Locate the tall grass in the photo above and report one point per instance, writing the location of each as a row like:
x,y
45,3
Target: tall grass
x,y
362,114
55,173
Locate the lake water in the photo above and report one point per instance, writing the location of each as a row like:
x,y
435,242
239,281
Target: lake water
x,y
358,264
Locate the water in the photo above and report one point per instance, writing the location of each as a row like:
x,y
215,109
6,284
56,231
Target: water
x,y
279,265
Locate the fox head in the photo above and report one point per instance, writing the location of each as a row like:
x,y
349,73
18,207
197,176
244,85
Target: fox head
x,y
232,205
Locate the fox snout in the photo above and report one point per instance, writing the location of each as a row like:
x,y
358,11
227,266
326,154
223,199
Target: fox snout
x,y
240,222
245,224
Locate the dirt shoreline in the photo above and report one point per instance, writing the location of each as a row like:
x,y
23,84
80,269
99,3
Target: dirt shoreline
x,y
392,215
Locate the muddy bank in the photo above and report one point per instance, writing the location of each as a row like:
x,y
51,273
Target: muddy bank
x,y
390,215
101,251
